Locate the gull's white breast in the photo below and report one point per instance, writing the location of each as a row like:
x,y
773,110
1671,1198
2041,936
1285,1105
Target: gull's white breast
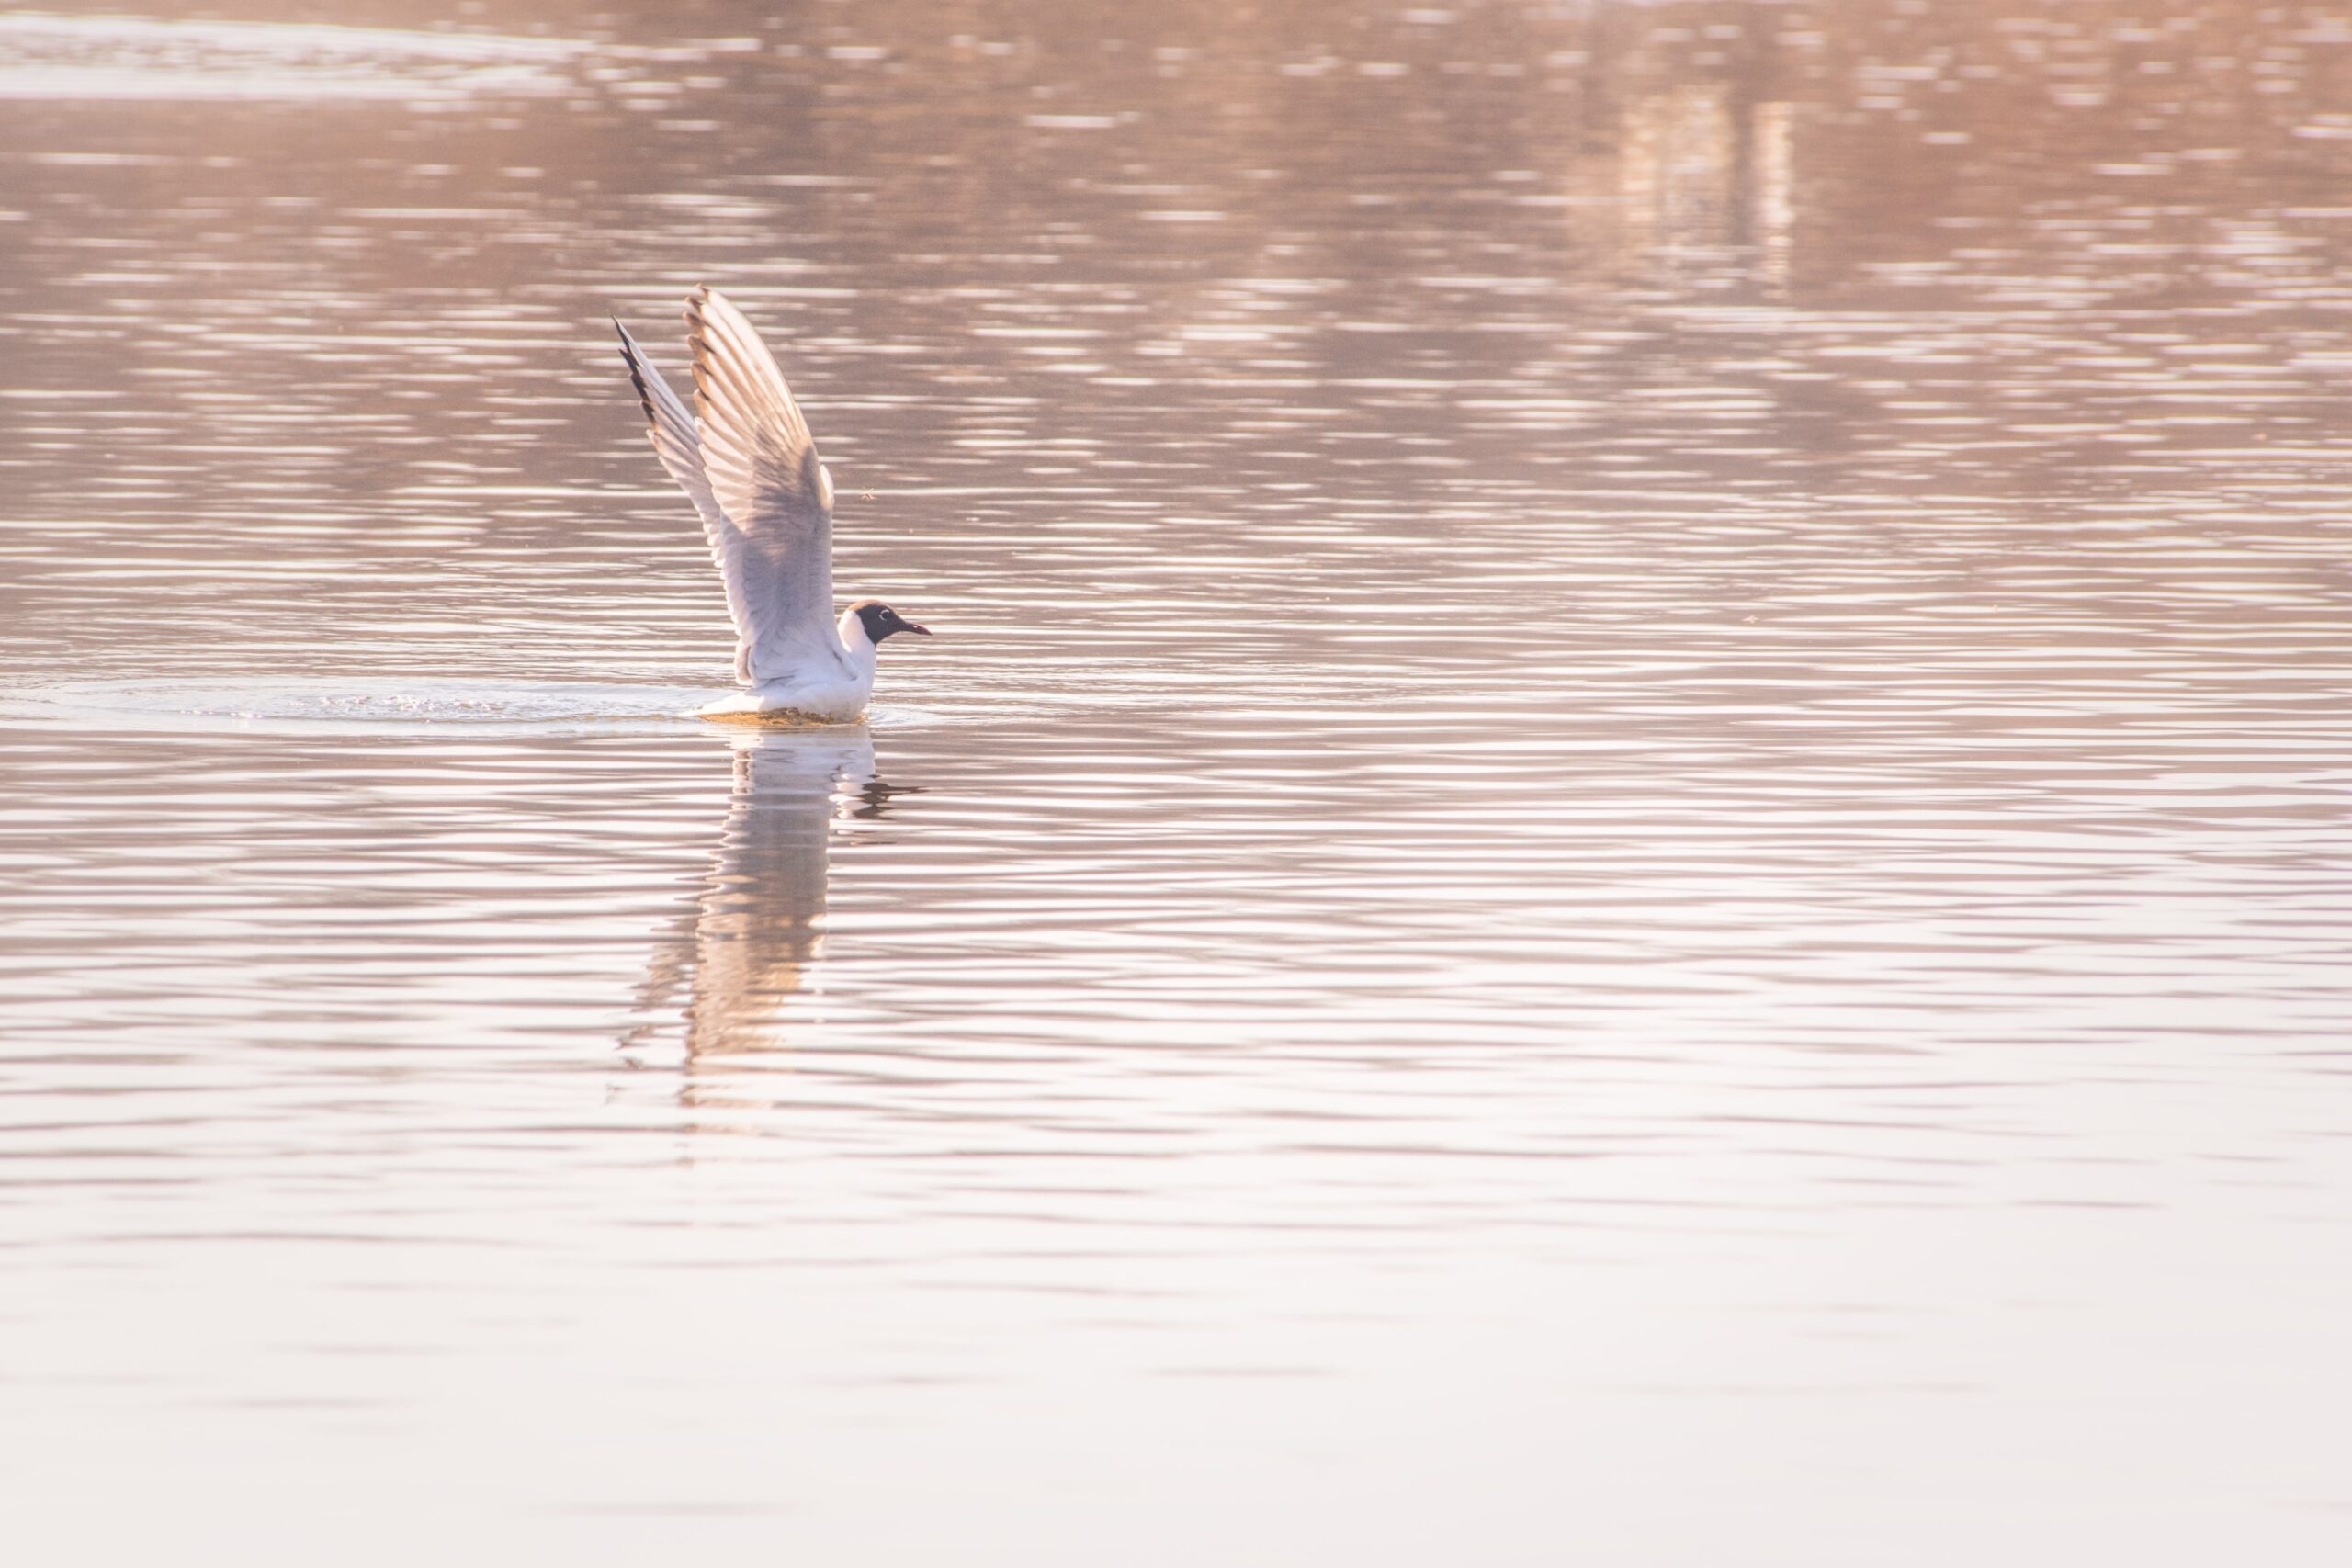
x,y
831,691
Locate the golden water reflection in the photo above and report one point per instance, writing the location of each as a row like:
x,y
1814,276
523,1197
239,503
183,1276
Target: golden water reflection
x,y
742,955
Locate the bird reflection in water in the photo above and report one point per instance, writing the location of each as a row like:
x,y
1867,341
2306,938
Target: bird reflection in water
x,y
744,951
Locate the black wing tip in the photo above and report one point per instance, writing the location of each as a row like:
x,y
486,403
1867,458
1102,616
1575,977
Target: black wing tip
x,y
630,357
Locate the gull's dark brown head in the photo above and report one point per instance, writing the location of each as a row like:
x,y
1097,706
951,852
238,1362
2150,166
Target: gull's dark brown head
x,y
880,621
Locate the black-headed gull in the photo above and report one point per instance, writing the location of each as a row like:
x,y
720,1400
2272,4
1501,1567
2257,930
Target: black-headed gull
x,y
746,460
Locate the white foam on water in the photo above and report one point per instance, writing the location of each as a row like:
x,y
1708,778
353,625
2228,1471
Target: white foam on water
x,y
136,57
376,706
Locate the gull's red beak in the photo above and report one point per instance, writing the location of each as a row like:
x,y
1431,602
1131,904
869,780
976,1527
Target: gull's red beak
x,y
918,628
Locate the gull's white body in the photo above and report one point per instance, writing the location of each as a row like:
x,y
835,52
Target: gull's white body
x,y
745,458
820,693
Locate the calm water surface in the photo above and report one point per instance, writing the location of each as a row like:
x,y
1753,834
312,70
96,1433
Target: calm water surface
x,y
1627,843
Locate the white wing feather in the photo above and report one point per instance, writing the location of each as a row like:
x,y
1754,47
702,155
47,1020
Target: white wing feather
x,y
751,470
679,446
777,549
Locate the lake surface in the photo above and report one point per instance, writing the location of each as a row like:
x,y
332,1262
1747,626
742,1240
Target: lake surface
x,y
1626,843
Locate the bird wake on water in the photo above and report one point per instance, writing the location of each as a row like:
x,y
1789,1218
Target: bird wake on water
x,y
744,457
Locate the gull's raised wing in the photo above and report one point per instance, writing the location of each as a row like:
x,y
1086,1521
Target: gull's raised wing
x,y
774,536
679,445
752,473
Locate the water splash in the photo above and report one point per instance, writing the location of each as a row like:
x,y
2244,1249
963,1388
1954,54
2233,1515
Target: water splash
x,y
135,57
381,705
